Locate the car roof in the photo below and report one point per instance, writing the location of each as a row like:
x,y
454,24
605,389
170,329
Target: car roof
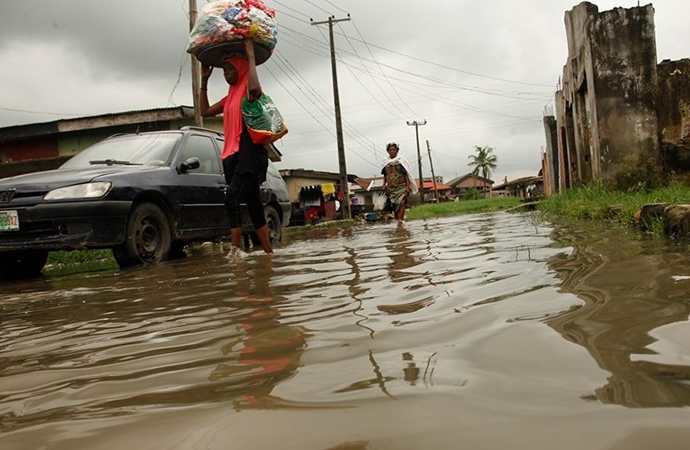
x,y
182,130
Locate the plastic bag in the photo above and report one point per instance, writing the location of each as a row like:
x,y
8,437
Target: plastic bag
x,y
227,21
263,120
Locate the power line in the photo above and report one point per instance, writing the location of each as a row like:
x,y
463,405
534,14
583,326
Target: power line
x,y
27,111
311,114
417,75
291,8
454,69
183,64
317,6
354,24
426,61
336,6
435,97
400,112
291,16
351,130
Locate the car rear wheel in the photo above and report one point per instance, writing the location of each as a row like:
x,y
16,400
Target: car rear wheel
x,y
275,229
24,264
148,237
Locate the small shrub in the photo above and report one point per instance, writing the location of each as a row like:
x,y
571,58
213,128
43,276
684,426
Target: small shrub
x,y
472,194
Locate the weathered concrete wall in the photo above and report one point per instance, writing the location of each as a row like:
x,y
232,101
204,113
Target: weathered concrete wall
x,y
607,109
674,114
40,147
623,46
551,175
24,167
579,93
567,157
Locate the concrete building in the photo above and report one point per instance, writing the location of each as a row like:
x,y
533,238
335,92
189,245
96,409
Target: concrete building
x,y
296,179
606,111
45,146
461,185
527,188
427,190
369,194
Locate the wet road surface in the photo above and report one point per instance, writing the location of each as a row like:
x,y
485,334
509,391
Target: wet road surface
x,y
478,332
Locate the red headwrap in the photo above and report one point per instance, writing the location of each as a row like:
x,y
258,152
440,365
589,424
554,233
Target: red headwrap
x,y
232,109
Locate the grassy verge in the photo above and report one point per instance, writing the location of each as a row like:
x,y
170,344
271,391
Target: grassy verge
x,y
463,207
334,224
600,204
66,263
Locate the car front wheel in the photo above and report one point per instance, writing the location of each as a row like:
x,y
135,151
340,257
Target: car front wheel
x,y
23,264
148,237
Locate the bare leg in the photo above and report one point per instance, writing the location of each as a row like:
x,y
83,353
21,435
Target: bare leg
x,y
400,212
265,239
236,237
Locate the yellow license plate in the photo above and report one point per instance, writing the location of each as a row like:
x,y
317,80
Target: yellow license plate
x,y
9,221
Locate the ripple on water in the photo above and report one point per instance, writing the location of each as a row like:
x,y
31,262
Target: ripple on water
x,y
377,313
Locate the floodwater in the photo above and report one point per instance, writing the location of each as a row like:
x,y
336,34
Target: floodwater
x,y
478,332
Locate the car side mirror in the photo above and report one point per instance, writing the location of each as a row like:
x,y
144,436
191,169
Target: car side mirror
x,y
189,165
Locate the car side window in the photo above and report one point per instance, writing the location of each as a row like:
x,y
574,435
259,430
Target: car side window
x,y
202,147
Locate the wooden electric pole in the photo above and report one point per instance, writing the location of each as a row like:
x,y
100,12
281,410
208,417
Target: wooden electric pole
x,y
416,124
342,162
433,174
196,69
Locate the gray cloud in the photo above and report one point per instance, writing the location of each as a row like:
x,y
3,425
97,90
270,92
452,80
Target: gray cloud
x,y
97,56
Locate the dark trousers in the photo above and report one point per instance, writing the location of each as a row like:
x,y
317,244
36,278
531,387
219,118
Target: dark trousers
x,y
242,188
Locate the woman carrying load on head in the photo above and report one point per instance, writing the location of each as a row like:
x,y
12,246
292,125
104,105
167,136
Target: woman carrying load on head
x,y
244,162
398,182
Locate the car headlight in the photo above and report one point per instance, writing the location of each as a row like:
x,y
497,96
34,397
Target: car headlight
x,y
80,191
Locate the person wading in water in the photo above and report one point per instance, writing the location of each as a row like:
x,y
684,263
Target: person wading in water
x,y
397,182
244,162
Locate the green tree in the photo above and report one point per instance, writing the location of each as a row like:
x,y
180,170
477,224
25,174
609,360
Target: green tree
x,y
484,161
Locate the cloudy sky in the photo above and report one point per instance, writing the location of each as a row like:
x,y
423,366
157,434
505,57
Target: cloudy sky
x,y
480,72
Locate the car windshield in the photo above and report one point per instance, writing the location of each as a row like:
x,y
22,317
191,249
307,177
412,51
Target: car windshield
x,y
144,149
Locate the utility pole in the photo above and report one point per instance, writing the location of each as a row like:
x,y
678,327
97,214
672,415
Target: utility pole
x,y
344,185
433,174
196,69
416,124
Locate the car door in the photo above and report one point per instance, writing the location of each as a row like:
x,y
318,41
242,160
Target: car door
x,y
201,192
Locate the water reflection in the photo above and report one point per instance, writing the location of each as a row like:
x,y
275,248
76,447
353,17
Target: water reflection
x,y
449,310
629,291
268,350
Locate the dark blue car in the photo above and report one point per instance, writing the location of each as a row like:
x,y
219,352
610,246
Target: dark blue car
x,y
143,195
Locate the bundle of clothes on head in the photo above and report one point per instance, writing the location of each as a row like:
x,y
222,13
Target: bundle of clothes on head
x,y
226,21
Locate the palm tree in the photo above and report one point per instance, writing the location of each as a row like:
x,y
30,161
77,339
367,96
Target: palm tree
x,y
484,161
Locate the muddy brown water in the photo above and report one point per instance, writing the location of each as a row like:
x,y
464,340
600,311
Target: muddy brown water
x,y
478,332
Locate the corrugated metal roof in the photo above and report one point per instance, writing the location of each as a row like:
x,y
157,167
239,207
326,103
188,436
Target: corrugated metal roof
x,y
459,180
18,132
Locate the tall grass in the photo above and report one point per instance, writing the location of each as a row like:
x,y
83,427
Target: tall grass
x,y
598,203
432,210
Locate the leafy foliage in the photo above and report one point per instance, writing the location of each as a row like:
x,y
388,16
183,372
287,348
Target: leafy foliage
x,y
598,203
472,194
484,161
